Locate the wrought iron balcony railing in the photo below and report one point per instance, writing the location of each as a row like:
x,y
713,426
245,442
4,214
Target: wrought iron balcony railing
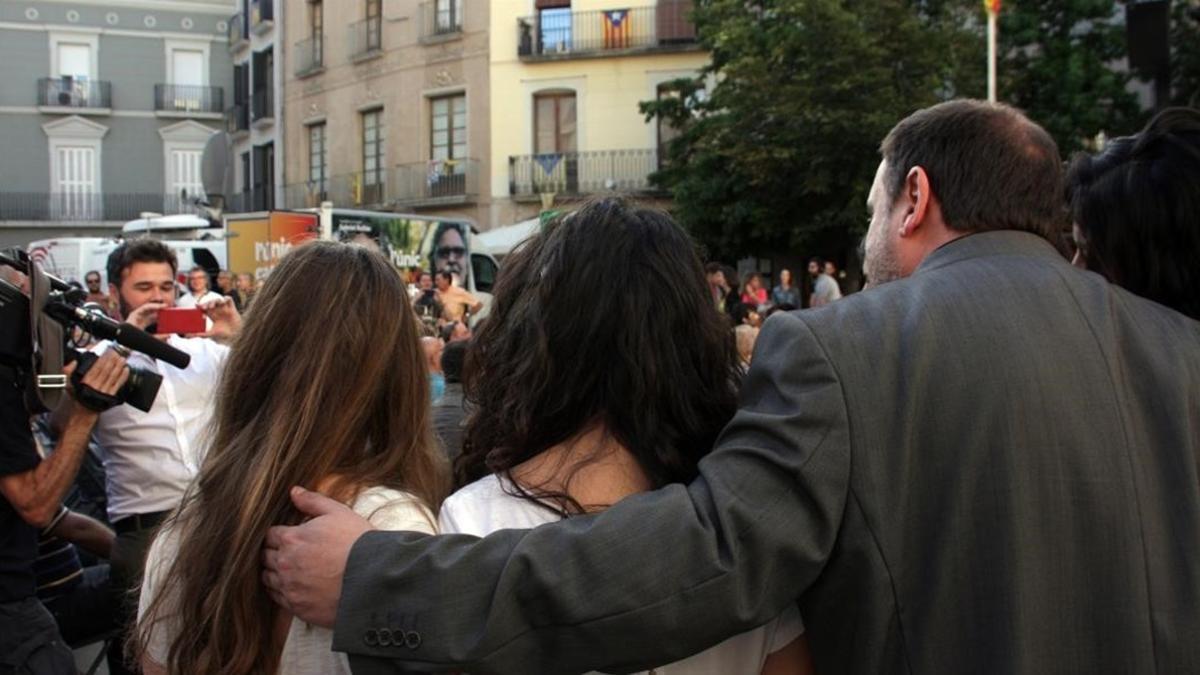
x,y
74,92
85,206
439,181
310,55
581,173
237,118
262,105
363,188
188,99
555,34
365,38
441,17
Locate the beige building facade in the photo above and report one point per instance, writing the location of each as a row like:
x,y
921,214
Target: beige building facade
x,y
386,106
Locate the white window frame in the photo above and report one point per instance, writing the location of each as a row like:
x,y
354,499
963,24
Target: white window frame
x,y
171,46
75,131
187,135
92,40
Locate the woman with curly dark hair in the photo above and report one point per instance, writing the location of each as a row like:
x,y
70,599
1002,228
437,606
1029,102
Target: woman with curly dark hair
x,y
586,391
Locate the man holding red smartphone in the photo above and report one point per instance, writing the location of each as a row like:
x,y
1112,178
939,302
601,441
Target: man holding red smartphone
x,y
151,457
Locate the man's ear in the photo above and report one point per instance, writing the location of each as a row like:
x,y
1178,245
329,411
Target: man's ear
x,y
916,195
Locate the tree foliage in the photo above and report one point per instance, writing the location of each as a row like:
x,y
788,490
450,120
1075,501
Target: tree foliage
x,y
779,135
1185,54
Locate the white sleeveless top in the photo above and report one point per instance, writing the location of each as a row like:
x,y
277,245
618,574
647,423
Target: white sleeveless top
x,y
307,649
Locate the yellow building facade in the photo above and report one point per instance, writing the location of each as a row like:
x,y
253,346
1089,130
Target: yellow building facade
x,y
566,79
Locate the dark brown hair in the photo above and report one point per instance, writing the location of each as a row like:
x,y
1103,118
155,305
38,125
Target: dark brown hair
x,y
604,318
990,167
142,249
325,383
1138,205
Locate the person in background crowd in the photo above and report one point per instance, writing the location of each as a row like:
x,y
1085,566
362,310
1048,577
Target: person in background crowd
x,y
432,348
31,494
825,288
448,412
94,294
985,463
558,441
832,272
151,458
350,420
745,335
718,286
753,293
225,286
455,331
456,302
428,303
198,292
1136,207
785,293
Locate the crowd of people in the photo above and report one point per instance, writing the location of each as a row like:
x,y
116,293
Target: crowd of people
x,y
986,462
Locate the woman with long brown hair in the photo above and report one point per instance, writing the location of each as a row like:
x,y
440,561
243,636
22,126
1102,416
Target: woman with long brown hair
x,y
325,388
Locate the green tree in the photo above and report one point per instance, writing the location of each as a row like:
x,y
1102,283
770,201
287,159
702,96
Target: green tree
x,y
779,153
1057,66
1185,54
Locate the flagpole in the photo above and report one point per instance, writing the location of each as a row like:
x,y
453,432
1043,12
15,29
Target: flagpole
x,y
991,46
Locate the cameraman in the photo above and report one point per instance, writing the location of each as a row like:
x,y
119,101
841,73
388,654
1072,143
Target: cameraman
x,y
32,492
151,457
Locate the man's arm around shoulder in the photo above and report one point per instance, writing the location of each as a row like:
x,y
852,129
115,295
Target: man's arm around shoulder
x,y
653,579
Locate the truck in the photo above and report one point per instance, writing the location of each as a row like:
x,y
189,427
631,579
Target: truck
x,y
413,243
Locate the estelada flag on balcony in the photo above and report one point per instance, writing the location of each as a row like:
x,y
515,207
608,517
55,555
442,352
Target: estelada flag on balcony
x,y
992,6
616,28
548,162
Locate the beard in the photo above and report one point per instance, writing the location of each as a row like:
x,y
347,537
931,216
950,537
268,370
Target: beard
x,y
881,265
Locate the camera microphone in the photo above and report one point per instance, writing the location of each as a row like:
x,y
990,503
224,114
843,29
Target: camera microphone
x,y
124,334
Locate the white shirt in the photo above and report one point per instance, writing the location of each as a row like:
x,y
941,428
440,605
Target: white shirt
x,y
188,300
825,291
150,458
307,650
486,506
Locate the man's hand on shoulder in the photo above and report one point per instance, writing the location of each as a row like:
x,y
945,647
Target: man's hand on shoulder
x,y
303,565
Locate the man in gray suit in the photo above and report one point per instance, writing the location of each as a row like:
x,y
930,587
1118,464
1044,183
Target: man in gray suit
x,y
987,465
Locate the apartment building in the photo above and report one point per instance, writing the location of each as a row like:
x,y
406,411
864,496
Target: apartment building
x,y
566,78
105,108
386,106
253,120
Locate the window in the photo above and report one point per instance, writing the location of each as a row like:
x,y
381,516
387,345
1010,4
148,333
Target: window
x,y
316,26
264,177
318,167
374,24
187,77
245,203
448,138
554,122
75,185
449,16
555,35
667,132
74,60
373,166
184,178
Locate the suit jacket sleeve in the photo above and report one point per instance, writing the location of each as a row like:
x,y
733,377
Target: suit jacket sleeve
x,y
659,576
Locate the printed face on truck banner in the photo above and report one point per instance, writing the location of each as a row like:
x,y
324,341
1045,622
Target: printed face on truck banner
x,y
410,243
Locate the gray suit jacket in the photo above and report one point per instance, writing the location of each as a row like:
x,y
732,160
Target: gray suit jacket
x,y
988,467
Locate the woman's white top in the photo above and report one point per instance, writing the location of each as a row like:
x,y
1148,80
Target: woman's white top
x,y
486,506
307,650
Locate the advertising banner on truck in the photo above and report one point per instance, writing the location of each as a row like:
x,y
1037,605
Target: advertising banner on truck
x,y
257,242
411,243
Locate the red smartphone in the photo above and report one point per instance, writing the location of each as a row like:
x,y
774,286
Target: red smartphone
x,y
176,320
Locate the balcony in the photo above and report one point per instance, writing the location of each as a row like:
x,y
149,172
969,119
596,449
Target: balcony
x,y
237,119
365,39
178,100
436,182
360,189
310,56
582,173
563,34
84,207
441,20
262,16
75,95
262,107
238,36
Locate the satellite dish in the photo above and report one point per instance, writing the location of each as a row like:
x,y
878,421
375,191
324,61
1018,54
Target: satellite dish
x,y
214,166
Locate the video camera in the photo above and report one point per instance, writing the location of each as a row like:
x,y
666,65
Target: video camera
x,y
36,338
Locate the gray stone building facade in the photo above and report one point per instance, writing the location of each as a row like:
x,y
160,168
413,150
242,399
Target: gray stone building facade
x,y
105,108
254,118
